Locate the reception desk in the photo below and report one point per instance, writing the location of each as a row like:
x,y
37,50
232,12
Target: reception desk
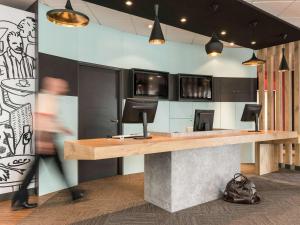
x,y
184,169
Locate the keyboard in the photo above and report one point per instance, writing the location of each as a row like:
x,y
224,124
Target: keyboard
x,y
126,136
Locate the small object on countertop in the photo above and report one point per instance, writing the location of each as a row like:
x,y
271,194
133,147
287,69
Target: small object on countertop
x,y
123,136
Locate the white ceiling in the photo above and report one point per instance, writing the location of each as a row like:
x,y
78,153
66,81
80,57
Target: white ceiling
x,y
128,23
20,4
288,10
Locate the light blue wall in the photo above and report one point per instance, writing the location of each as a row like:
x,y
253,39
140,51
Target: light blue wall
x,y
107,46
103,45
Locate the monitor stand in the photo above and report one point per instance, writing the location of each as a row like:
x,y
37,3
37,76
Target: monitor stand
x,y
145,130
256,124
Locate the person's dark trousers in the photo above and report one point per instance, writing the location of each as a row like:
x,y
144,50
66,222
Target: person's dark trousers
x,y
21,196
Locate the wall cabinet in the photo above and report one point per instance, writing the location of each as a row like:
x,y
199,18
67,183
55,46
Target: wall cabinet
x,y
234,89
225,89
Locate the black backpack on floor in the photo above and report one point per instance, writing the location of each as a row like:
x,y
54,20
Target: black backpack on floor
x,y
241,190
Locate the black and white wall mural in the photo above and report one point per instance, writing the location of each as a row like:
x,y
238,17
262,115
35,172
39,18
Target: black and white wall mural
x,y
17,89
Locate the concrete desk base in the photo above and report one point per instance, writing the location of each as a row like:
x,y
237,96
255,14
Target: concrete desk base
x,y
182,179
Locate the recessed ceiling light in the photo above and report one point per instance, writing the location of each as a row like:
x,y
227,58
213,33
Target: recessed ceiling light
x,y
223,32
183,20
129,3
231,43
150,26
253,42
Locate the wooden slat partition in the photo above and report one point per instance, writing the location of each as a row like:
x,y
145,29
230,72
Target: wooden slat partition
x,y
278,100
283,96
288,102
278,88
261,90
297,97
270,80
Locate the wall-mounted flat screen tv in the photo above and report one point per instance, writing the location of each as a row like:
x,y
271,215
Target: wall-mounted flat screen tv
x,y
193,87
150,84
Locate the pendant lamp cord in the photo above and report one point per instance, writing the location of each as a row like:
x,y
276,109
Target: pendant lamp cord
x,y
156,7
69,5
253,26
215,7
284,37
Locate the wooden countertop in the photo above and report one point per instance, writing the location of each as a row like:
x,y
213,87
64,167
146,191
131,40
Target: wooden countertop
x,y
104,148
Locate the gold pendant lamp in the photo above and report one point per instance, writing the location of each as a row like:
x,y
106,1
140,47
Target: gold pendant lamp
x,y
68,17
253,61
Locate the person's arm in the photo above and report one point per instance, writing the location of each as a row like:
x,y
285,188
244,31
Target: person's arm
x,y
49,123
63,129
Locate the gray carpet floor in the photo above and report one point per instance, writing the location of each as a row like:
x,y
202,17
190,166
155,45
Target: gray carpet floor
x,y
280,205
119,201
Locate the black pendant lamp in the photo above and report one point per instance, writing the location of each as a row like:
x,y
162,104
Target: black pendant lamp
x,y
283,64
67,17
214,47
254,61
157,36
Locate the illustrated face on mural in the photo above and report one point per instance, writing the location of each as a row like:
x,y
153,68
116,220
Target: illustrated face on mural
x,y
27,27
15,42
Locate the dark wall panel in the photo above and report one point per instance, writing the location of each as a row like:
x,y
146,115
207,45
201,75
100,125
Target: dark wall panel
x,y
173,87
59,67
235,89
98,116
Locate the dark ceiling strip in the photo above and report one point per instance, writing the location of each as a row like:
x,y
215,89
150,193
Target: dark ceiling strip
x,y
232,16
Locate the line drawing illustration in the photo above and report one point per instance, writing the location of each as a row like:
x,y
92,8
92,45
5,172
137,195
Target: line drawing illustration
x,y
17,95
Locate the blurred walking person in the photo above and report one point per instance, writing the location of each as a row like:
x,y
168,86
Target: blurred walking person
x,y
47,129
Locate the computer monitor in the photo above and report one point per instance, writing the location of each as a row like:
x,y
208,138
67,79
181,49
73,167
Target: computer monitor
x,y
251,113
203,120
138,110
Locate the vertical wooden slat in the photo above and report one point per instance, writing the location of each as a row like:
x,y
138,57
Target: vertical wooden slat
x,y
266,158
261,82
257,158
278,87
261,100
278,100
288,104
270,80
296,65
